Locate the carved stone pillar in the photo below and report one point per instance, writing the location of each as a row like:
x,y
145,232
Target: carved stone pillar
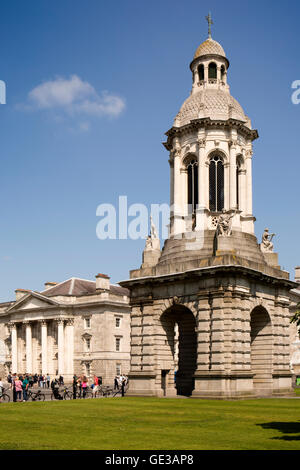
x,y
69,356
232,177
44,346
28,347
14,348
61,346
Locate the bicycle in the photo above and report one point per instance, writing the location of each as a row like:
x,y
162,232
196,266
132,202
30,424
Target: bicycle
x,y
119,390
36,396
4,397
103,391
67,395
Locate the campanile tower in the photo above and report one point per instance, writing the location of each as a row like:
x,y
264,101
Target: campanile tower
x,y
210,312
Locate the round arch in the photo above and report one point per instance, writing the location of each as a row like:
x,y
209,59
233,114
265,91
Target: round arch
x,y
180,349
261,341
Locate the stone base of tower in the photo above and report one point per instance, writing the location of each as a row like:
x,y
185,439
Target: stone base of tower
x,y
232,318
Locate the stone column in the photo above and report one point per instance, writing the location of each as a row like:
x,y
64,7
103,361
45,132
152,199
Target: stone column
x,y
28,347
242,193
232,177
69,359
61,346
44,347
178,221
202,187
249,181
14,348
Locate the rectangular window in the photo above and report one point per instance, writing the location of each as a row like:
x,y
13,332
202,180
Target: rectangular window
x,y
88,369
88,344
118,344
118,369
118,322
87,323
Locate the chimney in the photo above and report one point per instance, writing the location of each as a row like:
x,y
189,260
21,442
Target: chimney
x,y
297,274
102,282
49,284
21,293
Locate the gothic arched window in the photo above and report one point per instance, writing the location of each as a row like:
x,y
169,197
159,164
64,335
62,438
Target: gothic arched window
x,y
192,173
201,72
216,184
212,70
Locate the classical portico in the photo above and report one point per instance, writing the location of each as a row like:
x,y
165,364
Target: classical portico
x,y
34,347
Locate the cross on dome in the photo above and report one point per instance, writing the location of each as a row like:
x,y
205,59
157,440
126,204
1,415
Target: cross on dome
x,y
210,22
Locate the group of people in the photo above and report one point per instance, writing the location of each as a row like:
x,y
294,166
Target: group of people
x,y
40,380
21,383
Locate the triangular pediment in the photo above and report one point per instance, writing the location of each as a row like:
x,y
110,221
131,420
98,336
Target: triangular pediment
x,y
31,301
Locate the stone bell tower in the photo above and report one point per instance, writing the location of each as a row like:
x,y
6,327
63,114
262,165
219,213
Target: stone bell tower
x,y
210,313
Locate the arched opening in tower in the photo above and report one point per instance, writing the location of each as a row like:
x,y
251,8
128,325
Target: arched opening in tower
x,y
261,351
179,326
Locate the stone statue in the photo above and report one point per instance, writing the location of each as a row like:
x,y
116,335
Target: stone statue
x,y
224,224
266,242
153,232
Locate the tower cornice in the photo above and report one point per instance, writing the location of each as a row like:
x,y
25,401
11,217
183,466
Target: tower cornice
x,y
196,124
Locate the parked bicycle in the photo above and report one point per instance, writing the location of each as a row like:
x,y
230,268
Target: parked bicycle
x,y
36,396
103,391
4,396
65,394
84,394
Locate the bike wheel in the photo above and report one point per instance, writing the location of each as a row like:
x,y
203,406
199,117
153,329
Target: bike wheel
x,y
68,396
5,398
89,395
41,397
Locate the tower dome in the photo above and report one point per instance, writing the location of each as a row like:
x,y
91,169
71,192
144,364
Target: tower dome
x,y
213,103
210,46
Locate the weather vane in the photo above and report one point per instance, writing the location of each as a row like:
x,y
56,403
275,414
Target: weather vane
x,y
210,22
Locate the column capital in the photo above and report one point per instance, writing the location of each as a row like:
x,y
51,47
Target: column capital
x,y
232,144
59,321
202,143
43,322
70,321
26,322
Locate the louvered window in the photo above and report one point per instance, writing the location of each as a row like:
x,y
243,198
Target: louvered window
x,y
216,184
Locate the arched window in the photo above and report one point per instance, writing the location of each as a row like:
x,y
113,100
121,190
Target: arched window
x,y
192,173
201,72
216,184
212,70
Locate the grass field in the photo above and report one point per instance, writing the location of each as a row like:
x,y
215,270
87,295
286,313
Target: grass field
x,y
151,424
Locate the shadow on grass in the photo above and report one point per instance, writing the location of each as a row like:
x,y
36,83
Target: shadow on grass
x,y
284,428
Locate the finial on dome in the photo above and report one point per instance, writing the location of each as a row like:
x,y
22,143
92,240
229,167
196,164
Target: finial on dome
x,y
210,22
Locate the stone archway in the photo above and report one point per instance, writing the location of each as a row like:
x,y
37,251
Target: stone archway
x,y
261,351
179,325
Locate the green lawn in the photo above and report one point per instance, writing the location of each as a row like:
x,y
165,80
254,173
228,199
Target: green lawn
x,y
151,423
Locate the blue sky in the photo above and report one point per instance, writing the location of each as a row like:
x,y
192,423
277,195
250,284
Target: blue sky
x,y
130,61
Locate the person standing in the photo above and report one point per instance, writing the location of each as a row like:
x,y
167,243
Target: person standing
x,y
48,380
13,386
25,385
75,379
19,389
84,385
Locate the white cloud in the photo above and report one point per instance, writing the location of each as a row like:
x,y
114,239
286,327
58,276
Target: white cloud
x,y
75,97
